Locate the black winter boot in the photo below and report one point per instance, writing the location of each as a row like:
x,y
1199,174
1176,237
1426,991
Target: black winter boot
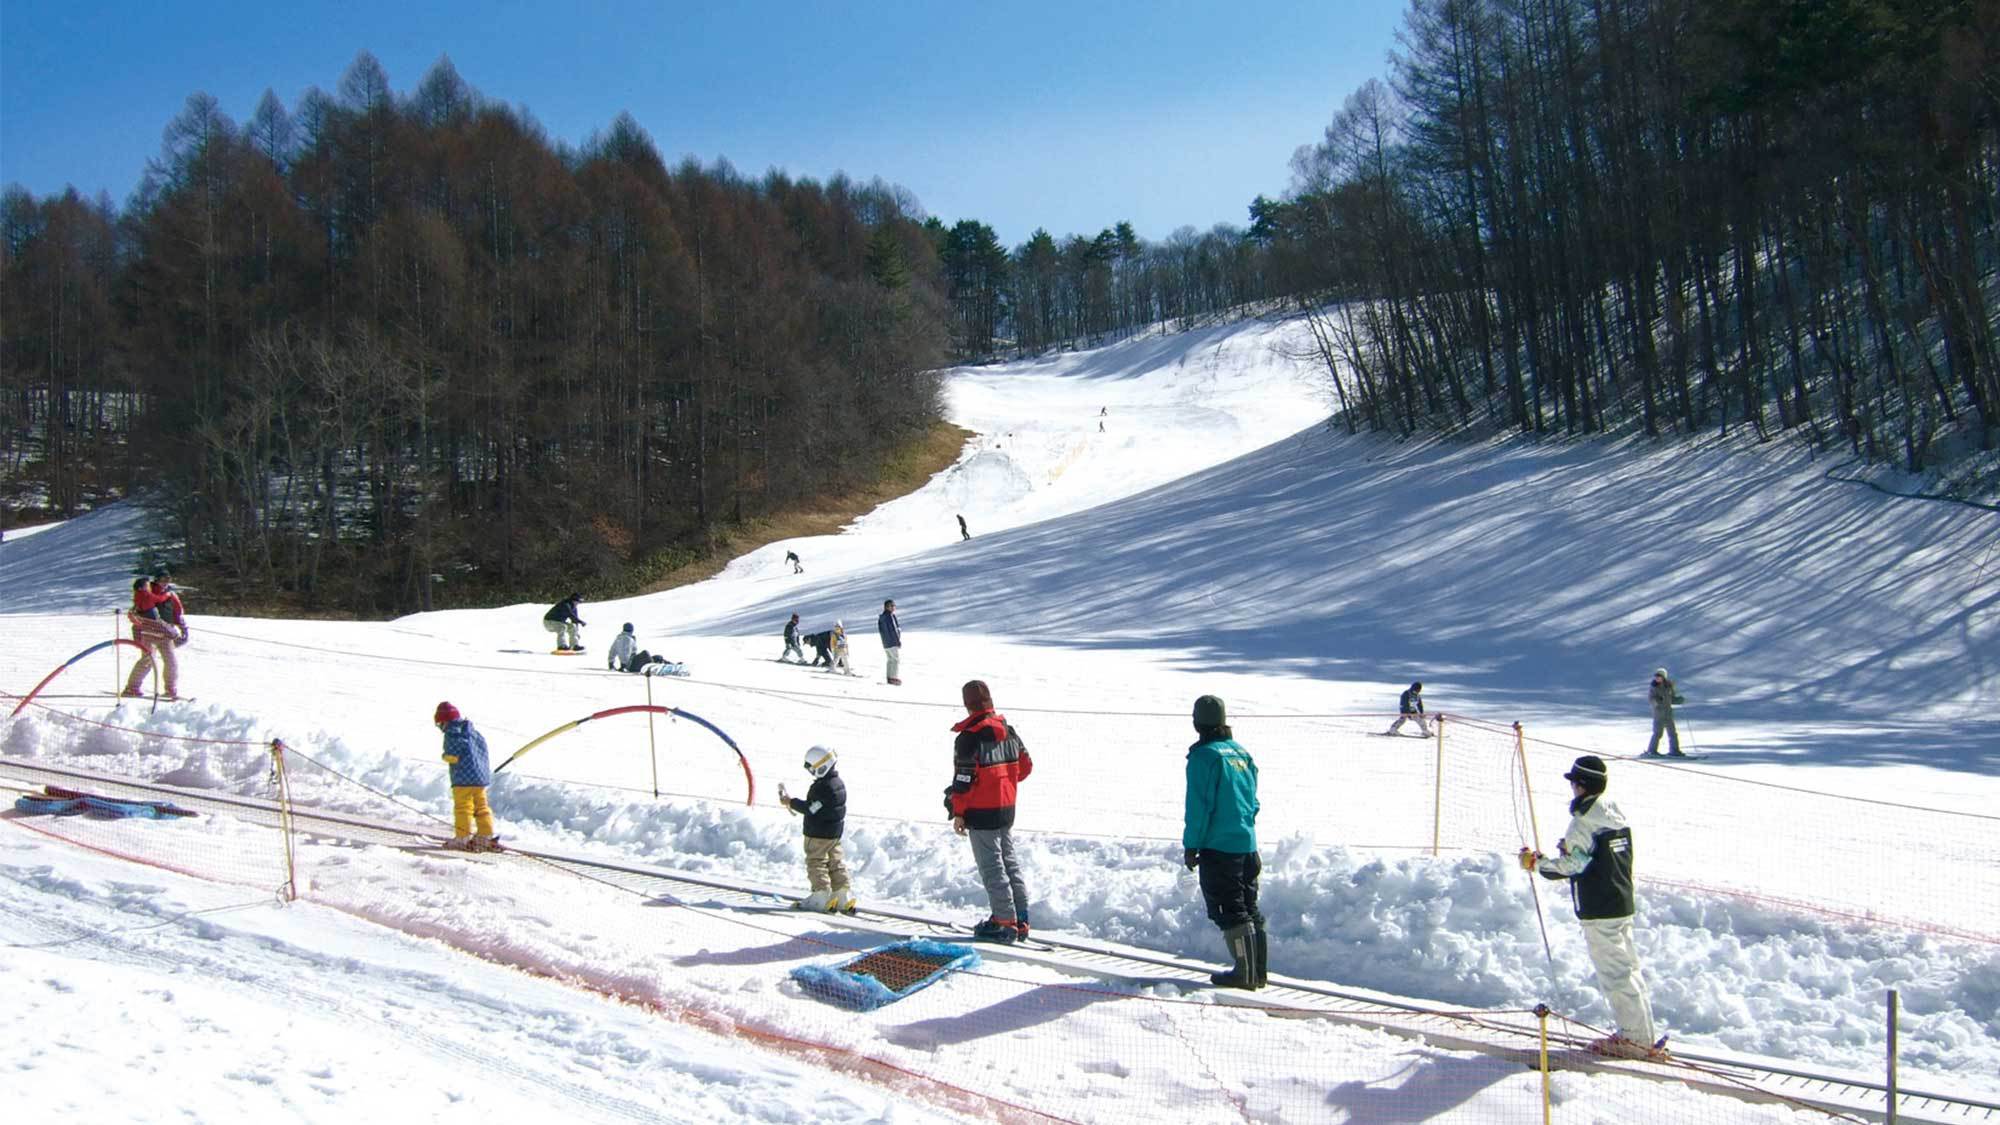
x,y
1240,943
1258,945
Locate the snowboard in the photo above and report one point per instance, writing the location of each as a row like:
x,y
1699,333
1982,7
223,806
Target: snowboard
x,y
565,652
495,848
1672,757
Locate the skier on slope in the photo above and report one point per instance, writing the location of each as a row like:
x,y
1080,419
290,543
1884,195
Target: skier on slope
x,y
170,608
825,810
1662,694
561,619
1219,840
1595,855
822,643
156,640
792,648
465,753
1410,705
838,644
988,763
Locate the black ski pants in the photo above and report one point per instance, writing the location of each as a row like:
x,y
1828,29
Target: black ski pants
x,y
1229,887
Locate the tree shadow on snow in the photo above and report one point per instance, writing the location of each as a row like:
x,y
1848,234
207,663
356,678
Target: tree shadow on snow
x,y
1768,591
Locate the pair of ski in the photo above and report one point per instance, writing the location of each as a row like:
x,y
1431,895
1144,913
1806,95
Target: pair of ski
x,y
432,845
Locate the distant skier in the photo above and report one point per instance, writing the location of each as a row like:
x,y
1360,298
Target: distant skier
x,y
891,632
793,558
988,763
822,643
825,810
1663,695
561,619
156,641
1219,839
792,648
838,645
963,534
1410,705
471,773
1595,855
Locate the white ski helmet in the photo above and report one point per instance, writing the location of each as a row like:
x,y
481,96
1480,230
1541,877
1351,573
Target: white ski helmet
x,y
819,760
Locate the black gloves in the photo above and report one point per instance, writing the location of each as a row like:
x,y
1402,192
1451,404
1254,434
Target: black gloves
x,y
1191,857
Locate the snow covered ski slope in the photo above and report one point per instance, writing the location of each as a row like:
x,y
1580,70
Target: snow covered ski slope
x,y
1209,538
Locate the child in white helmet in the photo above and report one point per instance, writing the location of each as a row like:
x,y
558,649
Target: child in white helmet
x,y
825,810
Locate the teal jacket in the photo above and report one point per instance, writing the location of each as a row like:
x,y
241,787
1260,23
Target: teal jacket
x,y
1221,798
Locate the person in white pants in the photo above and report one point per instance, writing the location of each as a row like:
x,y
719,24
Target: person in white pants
x,y
1595,855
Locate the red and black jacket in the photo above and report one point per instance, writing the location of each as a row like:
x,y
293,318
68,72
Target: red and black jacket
x,y
987,761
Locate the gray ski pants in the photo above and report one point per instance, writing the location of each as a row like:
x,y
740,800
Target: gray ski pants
x,y
1663,721
993,850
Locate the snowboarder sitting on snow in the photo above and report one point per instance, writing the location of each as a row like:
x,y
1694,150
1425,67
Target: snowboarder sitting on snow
x,y
156,638
1595,855
1410,705
626,655
561,619
822,643
988,762
465,750
1663,695
825,810
792,648
1219,839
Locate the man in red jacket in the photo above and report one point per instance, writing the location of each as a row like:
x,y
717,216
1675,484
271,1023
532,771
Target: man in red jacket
x,y
988,761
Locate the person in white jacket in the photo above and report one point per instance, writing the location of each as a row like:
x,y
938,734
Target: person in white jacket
x,y
1595,855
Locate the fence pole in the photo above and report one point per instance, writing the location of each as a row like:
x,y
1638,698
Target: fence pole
x,y
117,683
1535,834
291,888
1542,1017
1893,1001
1437,791
652,745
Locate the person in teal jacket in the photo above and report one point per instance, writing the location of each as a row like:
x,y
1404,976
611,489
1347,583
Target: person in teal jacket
x,y
1219,841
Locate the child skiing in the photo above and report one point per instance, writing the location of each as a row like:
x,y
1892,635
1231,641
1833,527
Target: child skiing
x,y
792,648
1410,705
465,752
156,638
838,644
825,810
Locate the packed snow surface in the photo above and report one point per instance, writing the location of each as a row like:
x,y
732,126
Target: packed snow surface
x,y
1151,521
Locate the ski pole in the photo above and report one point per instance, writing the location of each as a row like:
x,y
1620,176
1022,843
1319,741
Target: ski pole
x,y
1535,833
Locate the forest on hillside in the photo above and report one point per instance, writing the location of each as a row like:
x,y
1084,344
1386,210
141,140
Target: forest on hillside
x,y
372,348
1579,216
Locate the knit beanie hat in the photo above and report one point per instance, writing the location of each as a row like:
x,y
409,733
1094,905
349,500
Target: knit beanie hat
x,y
978,697
1589,773
445,713
1209,712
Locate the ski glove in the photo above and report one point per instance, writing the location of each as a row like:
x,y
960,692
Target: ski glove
x,y
1191,857
1529,857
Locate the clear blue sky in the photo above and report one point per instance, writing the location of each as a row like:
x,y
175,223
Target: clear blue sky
x,y
1022,114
